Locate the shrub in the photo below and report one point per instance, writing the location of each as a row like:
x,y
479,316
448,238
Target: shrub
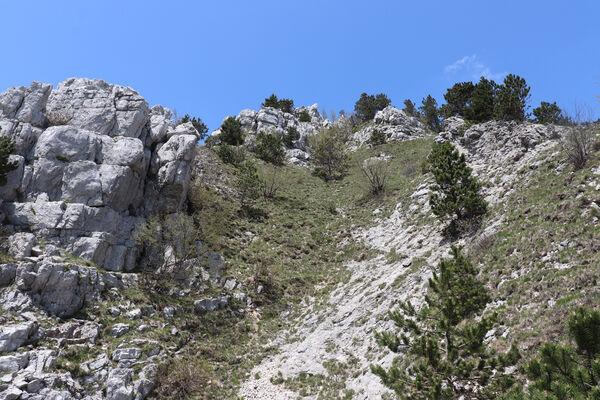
x,y
269,148
213,215
431,114
376,171
483,99
304,116
328,154
178,379
456,193
367,106
168,242
231,132
7,147
578,144
197,123
445,355
457,98
378,137
234,155
285,105
291,136
548,113
247,185
512,99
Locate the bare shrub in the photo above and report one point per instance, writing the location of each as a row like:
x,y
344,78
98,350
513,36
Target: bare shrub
x,y
270,181
578,145
376,171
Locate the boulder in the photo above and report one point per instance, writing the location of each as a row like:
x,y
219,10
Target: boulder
x,y
20,244
11,189
14,336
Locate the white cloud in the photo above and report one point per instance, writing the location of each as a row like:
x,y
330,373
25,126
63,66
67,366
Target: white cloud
x,y
472,67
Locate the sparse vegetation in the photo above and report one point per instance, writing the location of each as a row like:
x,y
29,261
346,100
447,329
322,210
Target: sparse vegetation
x,y
578,144
285,105
376,172
197,123
269,148
7,147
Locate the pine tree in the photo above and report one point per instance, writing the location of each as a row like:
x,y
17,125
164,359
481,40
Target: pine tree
x,y
549,113
7,147
567,372
456,193
431,113
367,106
271,101
231,132
269,148
328,154
445,356
483,98
512,99
410,109
457,99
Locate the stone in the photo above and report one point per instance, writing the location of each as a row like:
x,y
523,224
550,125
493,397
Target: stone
x,y
11,393
11,189
14,336
210,305
20,245
132,353
134,314
14,363
118,330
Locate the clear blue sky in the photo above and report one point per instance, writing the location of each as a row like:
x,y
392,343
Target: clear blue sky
x,y
214,58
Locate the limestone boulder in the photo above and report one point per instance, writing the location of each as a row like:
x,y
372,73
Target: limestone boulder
x,y
14,336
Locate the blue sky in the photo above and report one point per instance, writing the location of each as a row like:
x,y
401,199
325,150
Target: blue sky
x,y
213,58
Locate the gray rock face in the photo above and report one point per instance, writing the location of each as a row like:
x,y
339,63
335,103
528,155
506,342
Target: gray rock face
x,y
14,336
93,160
20,244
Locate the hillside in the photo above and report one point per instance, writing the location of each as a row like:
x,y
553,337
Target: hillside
x,y
277,301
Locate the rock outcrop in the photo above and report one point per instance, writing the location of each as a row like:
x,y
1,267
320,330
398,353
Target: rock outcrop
x,y
93,160
394,123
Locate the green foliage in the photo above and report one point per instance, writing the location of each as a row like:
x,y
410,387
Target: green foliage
x,y
410,108
231,132
247,185
304,116
234,155
549,113
431,113
456,193
564,371
367,106
285,105
480,107
378,137
7,147
457,98
197,123
269,148
328,154
290,136
512,99
445,356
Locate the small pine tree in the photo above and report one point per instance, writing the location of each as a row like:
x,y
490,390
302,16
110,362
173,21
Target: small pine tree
x,y
549,113
410,109
512,97
378,137
567,372
367,106
456,193
483,100
7,147
431,113
271,101
269,148
231,132
447,357
290,136
304,117
197,123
